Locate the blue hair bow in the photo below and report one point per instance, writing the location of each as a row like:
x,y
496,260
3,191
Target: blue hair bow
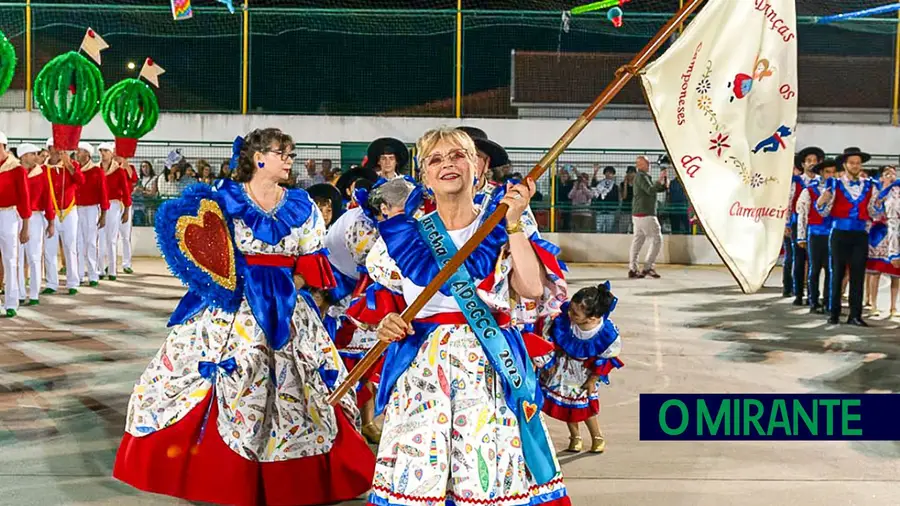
x,y
615,301
236,152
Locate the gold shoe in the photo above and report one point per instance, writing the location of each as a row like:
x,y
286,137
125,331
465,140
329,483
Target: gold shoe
x,y
575,444
874,313
598,444
371,432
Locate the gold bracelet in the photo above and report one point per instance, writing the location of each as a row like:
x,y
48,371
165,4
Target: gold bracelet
x,y
516,228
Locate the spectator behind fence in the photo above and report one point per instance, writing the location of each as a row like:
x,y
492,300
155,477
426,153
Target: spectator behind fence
x,y
626,196
678,202
564,185
581,196
606,196
187,176
225,170
168,185
310,177
644,220
204,171
145,189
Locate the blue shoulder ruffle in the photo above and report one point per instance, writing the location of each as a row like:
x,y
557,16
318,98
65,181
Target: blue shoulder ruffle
x,y
413,255
562,335
202,289
270,228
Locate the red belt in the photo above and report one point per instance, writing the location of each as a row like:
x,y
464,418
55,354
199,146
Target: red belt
x,y
271,260
457,318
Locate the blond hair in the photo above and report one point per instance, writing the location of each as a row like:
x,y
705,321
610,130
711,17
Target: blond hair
x,y
425,145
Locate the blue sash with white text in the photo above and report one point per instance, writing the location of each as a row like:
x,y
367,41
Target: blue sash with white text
x,y
520,379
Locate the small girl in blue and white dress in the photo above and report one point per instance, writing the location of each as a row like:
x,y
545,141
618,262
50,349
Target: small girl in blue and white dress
x,y
587,345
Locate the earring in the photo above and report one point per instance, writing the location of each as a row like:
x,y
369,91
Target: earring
x,y
260,164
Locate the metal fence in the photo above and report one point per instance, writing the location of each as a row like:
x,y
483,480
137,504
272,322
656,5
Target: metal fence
x,y
553,209
418,61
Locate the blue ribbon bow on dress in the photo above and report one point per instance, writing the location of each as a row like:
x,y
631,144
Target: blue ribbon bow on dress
x,y
208,372
236,148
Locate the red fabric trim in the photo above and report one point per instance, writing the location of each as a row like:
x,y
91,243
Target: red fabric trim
x,y
536,346
316,270
607,367
487,284
386,302
883,267
457,318
271,260
640,215
570,415
361,284
550,261
344,334
562,501
168,462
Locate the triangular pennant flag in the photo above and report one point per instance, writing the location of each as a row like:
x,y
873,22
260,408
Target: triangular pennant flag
x,y
229,4
181,10
92,44
151,72
724,98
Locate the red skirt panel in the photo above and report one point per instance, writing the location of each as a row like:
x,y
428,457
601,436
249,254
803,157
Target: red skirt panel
x,y
170,462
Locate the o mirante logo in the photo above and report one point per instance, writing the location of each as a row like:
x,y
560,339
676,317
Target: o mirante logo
x,y
736,417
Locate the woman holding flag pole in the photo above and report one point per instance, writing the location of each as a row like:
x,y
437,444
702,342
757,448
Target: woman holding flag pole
x,y
459,394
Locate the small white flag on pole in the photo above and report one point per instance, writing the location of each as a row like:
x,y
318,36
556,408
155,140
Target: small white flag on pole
x,y
92,44
724,98
151,72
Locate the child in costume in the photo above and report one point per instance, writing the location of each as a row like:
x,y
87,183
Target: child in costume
x,y
233,410
587,348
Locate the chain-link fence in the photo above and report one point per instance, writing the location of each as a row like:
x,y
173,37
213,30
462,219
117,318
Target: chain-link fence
x,y
608,173
424,57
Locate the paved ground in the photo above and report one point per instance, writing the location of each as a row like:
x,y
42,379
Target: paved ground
x,y
67,367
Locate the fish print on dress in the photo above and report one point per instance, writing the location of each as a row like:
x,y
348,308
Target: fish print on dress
x,y
248,421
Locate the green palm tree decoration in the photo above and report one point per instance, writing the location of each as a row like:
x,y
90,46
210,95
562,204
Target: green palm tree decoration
x,y
7,63
130,110
68,91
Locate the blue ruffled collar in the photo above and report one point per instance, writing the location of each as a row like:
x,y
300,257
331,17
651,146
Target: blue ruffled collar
x,y
563,336
269,227
413,255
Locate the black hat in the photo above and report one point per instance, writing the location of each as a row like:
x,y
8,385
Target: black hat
x,y
347,178
853,151
664,160
474,133
499,157
630,169
824,164
803,153
609,168
327,191
812,150
387,146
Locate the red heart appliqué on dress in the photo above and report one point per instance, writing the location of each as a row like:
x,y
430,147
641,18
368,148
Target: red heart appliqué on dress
x,y
529,409
205,240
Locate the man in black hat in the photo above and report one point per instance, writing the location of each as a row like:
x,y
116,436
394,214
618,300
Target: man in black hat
x,y
794,268
850,201
812,234
388,157
490,156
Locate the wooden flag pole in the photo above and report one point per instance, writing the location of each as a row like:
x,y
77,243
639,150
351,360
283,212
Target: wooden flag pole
x,y
623,75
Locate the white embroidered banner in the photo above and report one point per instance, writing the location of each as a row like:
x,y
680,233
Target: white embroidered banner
x,y
724,98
